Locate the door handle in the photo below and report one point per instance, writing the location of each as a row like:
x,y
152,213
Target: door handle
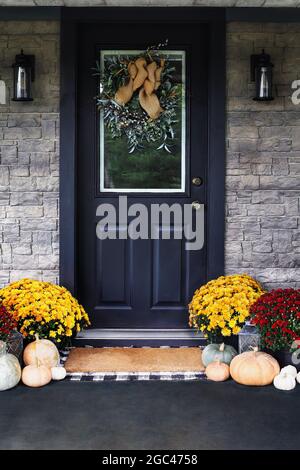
x,y
196,205
197,181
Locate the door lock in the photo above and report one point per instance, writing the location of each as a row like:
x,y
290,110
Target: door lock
x,y
196,205
197,181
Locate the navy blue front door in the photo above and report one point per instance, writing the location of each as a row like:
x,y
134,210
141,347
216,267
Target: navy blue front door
x,y
126,283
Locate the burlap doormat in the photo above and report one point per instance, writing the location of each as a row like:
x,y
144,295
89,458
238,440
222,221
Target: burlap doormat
x,y
134,360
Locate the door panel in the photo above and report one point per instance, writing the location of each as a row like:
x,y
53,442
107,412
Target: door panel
x,y
167,272
139,283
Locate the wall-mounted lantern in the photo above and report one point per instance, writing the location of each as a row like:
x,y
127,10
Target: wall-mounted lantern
x,y
262,74
23,77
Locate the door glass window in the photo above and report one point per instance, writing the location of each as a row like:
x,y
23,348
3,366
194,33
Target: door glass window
x,y
142,135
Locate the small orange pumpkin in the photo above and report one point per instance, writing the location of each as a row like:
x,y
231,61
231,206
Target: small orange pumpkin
x,y
217,371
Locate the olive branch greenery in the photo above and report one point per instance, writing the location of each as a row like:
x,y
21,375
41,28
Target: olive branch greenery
x,y
130,120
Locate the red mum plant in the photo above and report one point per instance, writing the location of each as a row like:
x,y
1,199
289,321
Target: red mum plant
x,y
7,324
276,315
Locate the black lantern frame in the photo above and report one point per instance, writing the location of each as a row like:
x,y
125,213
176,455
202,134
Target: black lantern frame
x,y
24,75
262,75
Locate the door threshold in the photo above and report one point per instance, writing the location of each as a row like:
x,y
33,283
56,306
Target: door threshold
x,y
139,337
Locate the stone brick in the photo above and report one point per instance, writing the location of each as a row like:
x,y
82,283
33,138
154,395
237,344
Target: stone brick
x,y
36,145
48,261
24,120
39,224
279,222
25,211
22,249
276,182
21,183
242,182
48,129
26,199
19,273
39,164
261,169
266,209
25,261
266,197
19,170
19,133
4,178
8,154
274,144
50,183
262,247
282,241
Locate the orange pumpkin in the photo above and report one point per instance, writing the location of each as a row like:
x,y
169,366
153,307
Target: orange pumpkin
x,y
43,351
36,375
254,368
217,371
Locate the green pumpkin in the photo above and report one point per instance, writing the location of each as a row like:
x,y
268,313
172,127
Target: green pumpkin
x,y
218,352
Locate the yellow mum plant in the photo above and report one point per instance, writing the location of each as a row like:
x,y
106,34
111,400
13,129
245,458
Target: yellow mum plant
x,y
221,306
45,309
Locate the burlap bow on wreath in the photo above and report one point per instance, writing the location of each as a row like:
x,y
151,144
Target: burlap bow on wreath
x,y
145,78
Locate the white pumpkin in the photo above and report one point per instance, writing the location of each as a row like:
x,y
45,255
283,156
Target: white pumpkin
x,y
58,373
42,352
10,369
298,378
290,370
284,381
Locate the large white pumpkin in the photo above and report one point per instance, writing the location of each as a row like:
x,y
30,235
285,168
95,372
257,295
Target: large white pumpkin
x,y
10,370
41,352
254,368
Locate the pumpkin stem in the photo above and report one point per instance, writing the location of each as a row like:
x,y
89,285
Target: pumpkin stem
x,y
222,347
254,349
36,337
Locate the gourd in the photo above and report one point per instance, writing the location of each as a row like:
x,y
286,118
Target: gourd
x,y
284,381
10,370
217,371
254,368
218,352
298,378
43,351
290,370
58,373
36,375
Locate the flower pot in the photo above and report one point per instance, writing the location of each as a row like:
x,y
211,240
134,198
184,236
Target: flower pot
x,y
219,339
285,358
14,344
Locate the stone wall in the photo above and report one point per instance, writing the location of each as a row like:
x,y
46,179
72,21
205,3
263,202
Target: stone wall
x,y
29,157
263,158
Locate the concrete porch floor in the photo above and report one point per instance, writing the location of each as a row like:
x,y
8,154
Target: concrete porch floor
x,y
149,416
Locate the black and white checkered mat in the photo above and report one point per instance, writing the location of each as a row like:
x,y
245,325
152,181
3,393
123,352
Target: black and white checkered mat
x,y
129,376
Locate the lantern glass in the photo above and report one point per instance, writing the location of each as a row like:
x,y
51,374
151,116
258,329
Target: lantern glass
x,y
249,338
262,74
263,83
23,77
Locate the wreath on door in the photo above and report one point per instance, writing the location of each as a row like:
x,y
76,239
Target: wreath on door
x,y
139,98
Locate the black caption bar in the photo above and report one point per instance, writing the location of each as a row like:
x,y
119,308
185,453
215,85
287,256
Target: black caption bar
x,y
171,458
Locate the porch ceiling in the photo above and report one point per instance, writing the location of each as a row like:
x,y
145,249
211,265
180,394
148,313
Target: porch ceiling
x,y
211,3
